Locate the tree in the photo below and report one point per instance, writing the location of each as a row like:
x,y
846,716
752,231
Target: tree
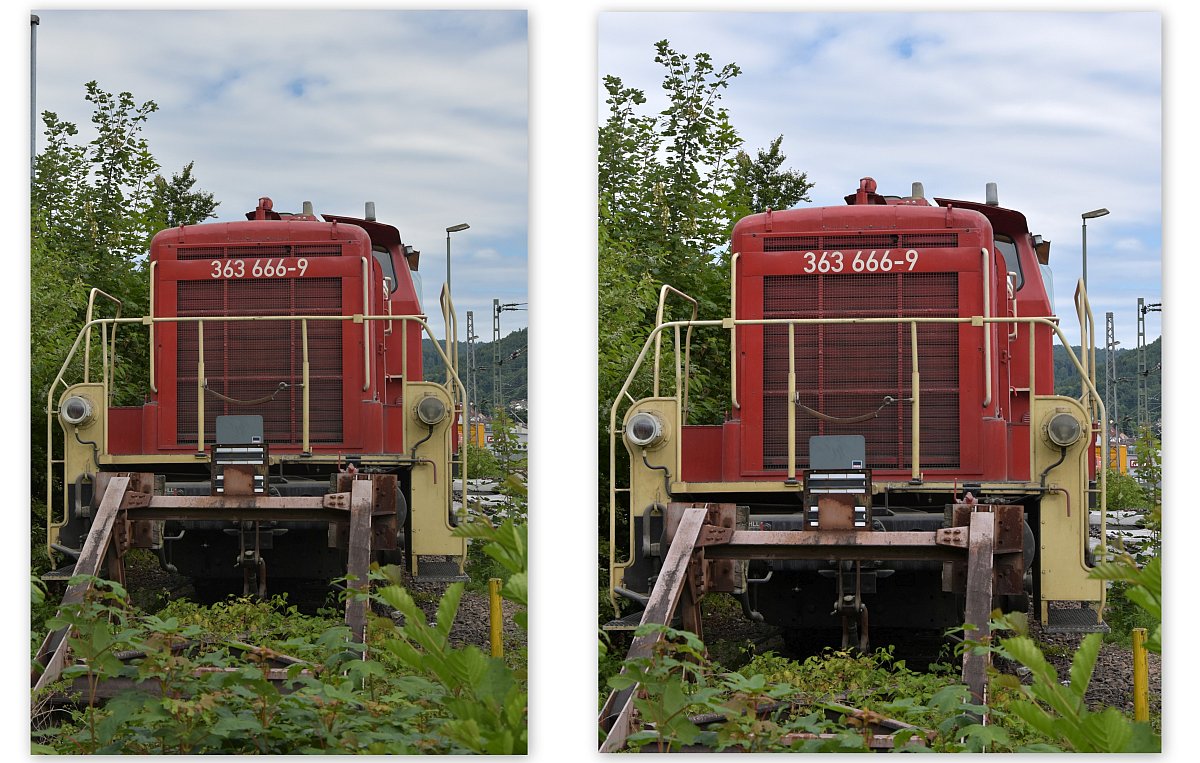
x,y
94,209
671,186
759,184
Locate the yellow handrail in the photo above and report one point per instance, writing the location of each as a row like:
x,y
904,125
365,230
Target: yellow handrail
x,y
455,385
658,319
200,383
305,446
729,323
916,408
987,329
87,350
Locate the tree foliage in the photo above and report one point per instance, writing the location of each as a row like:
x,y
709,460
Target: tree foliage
x,y
94,208
671,185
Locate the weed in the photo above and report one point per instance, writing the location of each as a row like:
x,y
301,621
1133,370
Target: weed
x,y
196,691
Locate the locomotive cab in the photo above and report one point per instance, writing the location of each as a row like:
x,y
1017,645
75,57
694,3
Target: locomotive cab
x,y
891,362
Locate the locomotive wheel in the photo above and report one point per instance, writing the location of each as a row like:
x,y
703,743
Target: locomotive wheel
x,y
1013,603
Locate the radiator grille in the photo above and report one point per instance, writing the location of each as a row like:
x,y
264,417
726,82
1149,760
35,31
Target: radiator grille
x,y
844,241
844,371
247,360
257,251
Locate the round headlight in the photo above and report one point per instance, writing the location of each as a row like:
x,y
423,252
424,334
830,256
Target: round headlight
x,y
1064,429
644,429
431,410
76,410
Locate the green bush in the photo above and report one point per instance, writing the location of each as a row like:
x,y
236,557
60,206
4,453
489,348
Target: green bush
x,y
198,690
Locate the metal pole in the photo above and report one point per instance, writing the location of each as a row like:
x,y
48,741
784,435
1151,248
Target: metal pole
x,y
451,229
497,398
1086,216
1141,682
473,397
496,617
1143,411
34,21
1110,375
1085,254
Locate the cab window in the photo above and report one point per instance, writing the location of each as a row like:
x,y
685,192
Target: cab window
x,y
384,257
1007,249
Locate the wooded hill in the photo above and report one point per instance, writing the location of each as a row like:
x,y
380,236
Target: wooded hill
x,y
514,367
1066,381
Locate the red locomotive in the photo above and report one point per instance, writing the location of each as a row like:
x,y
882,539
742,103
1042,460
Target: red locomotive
x,y
891,363
286,347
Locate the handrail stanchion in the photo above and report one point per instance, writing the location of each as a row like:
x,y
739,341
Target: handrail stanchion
x,y
916,406
791,410
987,328
304,370
200,388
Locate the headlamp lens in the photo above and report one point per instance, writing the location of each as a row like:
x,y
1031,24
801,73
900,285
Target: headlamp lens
x,y
1064,430
644,429
431,410
76,410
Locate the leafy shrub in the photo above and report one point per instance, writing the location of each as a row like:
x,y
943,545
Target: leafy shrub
x,y
196,689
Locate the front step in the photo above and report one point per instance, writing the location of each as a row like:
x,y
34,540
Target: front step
x,y
429,571
61,575
629,622
1075,620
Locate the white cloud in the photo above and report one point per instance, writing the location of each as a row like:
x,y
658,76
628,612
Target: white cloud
x,y
1062,110
425,113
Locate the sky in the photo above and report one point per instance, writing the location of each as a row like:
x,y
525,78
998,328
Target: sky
x,y
424,113
1040,103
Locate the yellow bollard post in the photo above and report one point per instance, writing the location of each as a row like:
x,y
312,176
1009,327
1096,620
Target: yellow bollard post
x,y
497,622
1141,677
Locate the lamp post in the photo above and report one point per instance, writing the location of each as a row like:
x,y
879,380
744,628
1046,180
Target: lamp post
x,y
34,21
1088,216
451,320
451,229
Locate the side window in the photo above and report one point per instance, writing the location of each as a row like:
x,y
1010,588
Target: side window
x,y
1008,251
385,265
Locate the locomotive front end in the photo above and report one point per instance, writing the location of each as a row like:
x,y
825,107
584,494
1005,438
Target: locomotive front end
x,y
282,365
890,375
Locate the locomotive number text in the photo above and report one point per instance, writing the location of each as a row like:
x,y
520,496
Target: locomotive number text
x,y
873,261
260,269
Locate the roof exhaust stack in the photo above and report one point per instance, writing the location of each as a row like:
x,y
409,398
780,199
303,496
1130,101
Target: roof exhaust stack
x,y
918,190
370,214
993,196
308,209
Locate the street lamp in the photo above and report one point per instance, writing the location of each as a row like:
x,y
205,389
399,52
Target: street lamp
x,y
1088,216
451,229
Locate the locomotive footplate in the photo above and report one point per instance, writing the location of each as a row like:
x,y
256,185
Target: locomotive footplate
x,y
125,506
